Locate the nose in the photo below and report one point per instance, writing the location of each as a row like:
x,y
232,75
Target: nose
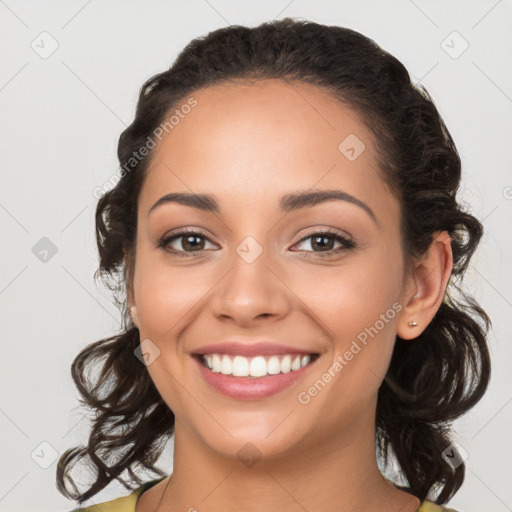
x,y
252,290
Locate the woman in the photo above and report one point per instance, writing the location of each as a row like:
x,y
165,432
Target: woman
x,y
287,249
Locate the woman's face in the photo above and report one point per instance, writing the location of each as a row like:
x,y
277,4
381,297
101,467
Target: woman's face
x,y
263,270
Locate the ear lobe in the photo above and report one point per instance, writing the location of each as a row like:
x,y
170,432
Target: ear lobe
x,y
428,281
134,315
128,263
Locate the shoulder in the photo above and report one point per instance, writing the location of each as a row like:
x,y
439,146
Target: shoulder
x,y
123,504
429,506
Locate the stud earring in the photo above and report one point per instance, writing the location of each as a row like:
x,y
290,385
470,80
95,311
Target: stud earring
x,y
413,324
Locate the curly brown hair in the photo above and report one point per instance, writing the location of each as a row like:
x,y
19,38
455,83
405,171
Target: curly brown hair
x,y
430,382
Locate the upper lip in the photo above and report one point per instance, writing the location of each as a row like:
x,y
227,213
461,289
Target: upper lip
x,y
250,349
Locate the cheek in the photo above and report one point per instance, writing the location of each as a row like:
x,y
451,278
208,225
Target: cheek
x,y
357,305
167,296
353,296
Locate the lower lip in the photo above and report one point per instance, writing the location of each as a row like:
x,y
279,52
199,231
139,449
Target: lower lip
x,y
251,388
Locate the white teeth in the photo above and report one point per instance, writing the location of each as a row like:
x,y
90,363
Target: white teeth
x,y
240,366
216,363
286,364
226,366
273,365
259,366
305,360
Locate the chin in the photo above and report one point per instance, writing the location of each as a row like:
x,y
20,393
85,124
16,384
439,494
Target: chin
x,y
265,439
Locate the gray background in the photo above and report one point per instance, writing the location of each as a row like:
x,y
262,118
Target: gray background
x,y
61,117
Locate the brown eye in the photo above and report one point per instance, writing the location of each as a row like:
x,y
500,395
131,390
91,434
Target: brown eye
x,y
192,242
184,242
323,243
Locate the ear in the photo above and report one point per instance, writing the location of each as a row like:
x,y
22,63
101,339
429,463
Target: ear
x,y
130,296
425,286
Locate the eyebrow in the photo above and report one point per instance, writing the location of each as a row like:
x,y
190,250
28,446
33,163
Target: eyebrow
x,y
288,203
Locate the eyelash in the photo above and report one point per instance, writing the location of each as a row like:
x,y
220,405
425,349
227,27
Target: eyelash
x,y
347,244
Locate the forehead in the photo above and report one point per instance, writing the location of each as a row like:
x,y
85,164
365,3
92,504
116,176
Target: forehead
x,y
248,142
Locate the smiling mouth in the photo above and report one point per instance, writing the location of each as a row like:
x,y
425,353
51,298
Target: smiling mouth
x,y
255,367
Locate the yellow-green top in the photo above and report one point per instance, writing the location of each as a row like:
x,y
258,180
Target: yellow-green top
x,y
128,503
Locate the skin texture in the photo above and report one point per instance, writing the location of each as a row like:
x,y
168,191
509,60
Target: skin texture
x,y
248,145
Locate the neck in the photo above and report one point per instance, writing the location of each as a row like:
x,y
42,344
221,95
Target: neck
x,y
340,473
